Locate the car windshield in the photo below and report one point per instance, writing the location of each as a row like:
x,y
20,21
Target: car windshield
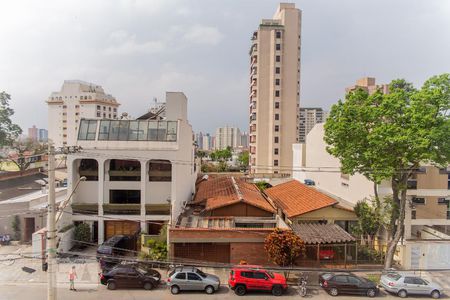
x,y
393,276
327,276
271,274
199,272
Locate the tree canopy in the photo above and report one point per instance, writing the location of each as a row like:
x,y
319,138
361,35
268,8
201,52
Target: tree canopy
x,y
388,136
8,130
284,247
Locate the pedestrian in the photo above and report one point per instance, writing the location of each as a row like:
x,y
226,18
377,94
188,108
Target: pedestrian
x,y
72,276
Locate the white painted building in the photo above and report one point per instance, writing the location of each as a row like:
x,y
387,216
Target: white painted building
x,y
140,173
75,101
228,137
428,208
308,118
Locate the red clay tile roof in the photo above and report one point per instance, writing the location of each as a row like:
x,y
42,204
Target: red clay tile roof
x,y
296,198
224,191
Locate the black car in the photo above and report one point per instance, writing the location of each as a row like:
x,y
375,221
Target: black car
x,y
336,284
130,276
114,246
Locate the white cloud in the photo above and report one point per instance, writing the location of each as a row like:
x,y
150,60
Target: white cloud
x,y
126,44
206,35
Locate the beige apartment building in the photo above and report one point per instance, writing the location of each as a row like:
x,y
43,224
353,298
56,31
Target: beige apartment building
x,y
228,137
368,84
275,90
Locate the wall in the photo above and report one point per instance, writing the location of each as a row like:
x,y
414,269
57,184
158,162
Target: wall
x,y
241,210
252,253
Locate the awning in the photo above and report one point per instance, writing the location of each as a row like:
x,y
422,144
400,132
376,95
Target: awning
x,y
312,233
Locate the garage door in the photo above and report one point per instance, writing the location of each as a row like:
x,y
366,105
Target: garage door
x,y
121,227
214,252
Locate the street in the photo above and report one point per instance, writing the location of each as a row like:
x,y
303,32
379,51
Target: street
x,y
38,291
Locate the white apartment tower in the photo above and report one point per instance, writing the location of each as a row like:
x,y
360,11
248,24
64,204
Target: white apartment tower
x,y
76,100
308,118
228,137
275,90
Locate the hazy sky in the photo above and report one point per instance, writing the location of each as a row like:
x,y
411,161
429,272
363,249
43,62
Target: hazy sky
x,y
139,49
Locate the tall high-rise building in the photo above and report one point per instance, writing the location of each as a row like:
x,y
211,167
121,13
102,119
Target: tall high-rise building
x,y
33,133
244,140
207,142
308,117
368,84
228,137
199,139
75,101
43,135
275,90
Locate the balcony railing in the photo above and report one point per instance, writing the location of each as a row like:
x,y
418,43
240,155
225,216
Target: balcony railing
x,y
85,208
157,209
122,209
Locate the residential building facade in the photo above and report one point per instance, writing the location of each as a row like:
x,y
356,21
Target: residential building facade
x,y
275,90
43,135
227,137
33,133
139,173
368,84
308,117
76,100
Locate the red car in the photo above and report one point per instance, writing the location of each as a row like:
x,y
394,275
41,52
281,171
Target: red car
x,y
254,278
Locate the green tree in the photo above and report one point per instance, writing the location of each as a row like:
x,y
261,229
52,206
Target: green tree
x,y
15,225
388,136
243,159
8,130
284,247
82,234
201,154
23,149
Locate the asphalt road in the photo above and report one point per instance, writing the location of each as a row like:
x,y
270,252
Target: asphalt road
x,y
87,292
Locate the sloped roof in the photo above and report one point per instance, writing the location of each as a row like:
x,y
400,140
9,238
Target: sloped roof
x,y
224,191
296,198
313,233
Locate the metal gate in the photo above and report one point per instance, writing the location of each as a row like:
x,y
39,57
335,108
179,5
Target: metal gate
x,y
214,252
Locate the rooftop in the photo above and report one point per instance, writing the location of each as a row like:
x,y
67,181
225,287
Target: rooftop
x,y
251,223
312,233
296,198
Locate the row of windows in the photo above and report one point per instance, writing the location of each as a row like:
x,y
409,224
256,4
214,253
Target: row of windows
x,y
65,97
104,108
421,200
99,114
126,130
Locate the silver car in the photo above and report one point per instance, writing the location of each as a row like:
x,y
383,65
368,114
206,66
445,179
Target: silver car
x,y
192,279
404,285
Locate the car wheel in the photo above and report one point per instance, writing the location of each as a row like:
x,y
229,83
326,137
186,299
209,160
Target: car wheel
x,y
209,290
435,294
111,285
174,289
402,294
148,286
277,290
371,293
334,292
240,290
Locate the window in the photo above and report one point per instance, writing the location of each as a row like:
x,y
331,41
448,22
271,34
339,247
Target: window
x,y
340,278
277,128
409,280
193,276
88,130
277,70
104,107
278,47
104,115
98,114
277,93
353,280
277,81
276,140
124,170
443,201
125,196
109,108
98,107
64,106
416,200
413,214
275,151
115,109
247,274
275,162
277,116
260,275
419,281
109,116
277,104
76,114
278,58
77,106
181,276
278,34
160,170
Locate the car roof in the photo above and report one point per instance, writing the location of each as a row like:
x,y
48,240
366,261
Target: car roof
x,y
249,267
185,269
113,240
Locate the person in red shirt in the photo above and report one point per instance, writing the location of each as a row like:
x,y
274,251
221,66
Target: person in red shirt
x,y
72,277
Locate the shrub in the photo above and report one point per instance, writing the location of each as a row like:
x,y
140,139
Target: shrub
x,y
15,225
82,234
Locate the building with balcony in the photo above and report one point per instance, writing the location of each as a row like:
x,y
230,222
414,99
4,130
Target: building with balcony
x,y
307,119
75,101
139,173
228,137
274,91
427,210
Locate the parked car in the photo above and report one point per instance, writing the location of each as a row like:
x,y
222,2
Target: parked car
x,y
347,283
251,278
130,276
114,246
404,285
192,279
326,253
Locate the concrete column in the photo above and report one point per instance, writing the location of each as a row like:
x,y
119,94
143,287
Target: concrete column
x,y
144,180
101,183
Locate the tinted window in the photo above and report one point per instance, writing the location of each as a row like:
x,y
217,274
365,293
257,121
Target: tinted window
x,y
247,274
260,275
199,272
193,276
353,280
342,279
181,276
419,281
409,280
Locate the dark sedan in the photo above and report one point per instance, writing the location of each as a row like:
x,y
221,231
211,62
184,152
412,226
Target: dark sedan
x,y
129,276
336,284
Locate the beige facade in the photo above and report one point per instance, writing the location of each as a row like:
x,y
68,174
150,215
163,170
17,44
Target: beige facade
x,y
274,91
368,84
228,137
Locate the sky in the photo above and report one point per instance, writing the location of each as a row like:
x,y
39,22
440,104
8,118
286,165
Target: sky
x,y
139,49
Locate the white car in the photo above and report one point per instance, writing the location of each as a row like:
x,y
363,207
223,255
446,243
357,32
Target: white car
x,y
404,285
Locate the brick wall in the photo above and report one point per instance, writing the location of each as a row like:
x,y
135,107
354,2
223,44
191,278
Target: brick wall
x,y
252,253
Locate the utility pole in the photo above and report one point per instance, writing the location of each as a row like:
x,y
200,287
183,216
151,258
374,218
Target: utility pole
x,y
51,227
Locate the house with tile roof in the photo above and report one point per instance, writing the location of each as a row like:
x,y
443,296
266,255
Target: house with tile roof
x,y
226,222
